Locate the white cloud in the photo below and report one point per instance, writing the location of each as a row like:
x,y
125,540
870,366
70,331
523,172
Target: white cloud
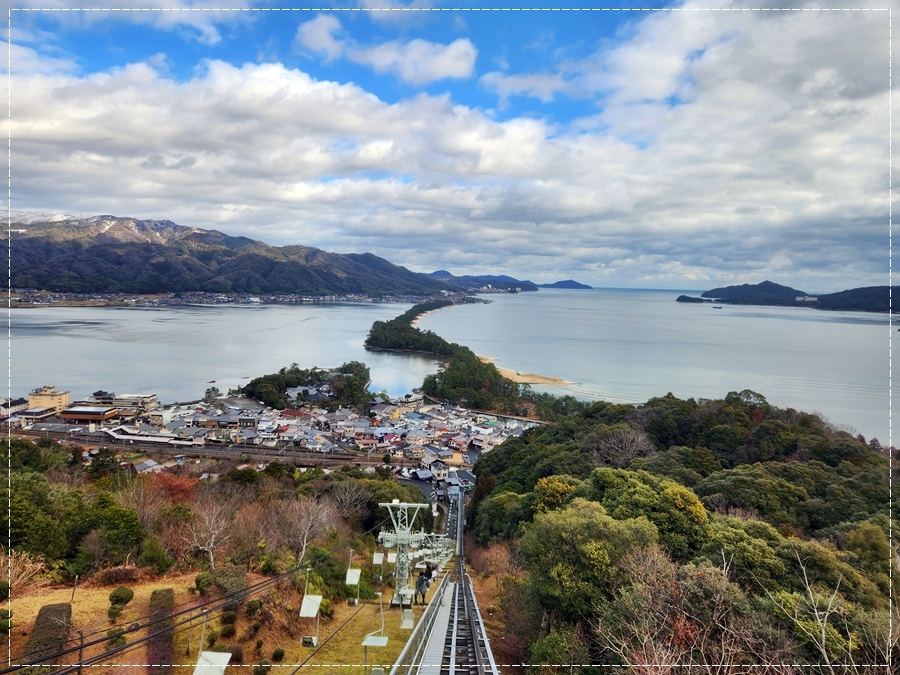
x,y
419,61
317,36
395,11
776,155
199,17
542,86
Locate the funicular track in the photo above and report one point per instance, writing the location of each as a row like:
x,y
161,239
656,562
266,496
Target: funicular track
x,y
453,639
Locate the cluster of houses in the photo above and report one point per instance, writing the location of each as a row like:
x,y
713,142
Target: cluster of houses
x,y
428,443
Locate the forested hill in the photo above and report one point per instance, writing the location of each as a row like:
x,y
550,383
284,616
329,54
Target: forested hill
x,y
682,532
106,254
866,299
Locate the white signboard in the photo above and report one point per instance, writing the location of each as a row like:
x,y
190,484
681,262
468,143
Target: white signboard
x,y
310,606
212,663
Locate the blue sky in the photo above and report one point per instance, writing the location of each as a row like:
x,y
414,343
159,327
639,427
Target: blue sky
x,y
683,148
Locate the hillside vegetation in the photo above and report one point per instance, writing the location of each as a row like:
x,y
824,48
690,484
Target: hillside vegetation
x,y
728,533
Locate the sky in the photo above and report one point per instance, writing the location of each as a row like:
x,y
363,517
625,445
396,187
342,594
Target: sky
x,y
681,145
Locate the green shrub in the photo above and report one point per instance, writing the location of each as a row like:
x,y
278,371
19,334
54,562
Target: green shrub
x,y
228,618
253,606
277,655
113,612
259,644
155,556
4,590
256,626
6,622
262,668
211,639
231,579
121,596
160,646
116,638
228,631
204,582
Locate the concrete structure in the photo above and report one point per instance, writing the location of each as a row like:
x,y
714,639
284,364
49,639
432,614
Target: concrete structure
x,y
83,414
49,397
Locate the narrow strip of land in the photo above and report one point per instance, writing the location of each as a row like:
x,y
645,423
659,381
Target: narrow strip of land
x,y
525,378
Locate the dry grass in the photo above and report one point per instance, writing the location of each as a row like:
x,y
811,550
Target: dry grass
x,y
340,645
89,614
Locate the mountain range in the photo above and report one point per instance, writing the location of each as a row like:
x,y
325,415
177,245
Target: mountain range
x,y
110,254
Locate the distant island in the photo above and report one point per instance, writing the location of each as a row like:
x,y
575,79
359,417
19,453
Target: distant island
x,y
567,284
866,299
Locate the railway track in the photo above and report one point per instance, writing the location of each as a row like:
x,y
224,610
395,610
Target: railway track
x,y
466,648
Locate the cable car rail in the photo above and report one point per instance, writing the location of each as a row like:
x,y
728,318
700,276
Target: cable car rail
x,y
450,638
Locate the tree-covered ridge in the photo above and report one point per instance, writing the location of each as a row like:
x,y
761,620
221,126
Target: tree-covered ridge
x,y
398,334
866,299
348,385
729,532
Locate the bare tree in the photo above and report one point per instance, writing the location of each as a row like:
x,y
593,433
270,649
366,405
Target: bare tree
x,y
674,619
618,445
303,520
818,616
351,499
141,494
209,528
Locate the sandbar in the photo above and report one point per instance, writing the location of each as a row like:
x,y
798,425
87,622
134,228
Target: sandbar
x,y
525,378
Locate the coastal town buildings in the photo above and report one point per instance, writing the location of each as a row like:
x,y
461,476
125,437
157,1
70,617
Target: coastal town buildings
x,y
432,444
49,397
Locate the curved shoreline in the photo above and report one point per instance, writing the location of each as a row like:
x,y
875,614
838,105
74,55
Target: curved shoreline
x,y
525,378
513,375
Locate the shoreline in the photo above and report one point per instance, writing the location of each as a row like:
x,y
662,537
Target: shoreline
x,y
525,378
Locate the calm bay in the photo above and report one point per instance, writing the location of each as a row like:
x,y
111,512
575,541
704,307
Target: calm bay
x,y
618,345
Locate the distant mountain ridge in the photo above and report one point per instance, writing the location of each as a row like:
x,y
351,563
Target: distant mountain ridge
x,y
473,283
108,254
866,299
499,281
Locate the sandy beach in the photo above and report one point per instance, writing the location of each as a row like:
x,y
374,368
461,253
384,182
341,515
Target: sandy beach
x,y
525,378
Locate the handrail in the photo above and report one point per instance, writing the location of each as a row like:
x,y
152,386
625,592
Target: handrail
x,y
478,625
418,640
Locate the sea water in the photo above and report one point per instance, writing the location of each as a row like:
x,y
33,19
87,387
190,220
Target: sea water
x,y
618,345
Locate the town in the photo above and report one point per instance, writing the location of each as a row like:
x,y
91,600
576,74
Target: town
x,y
430,443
